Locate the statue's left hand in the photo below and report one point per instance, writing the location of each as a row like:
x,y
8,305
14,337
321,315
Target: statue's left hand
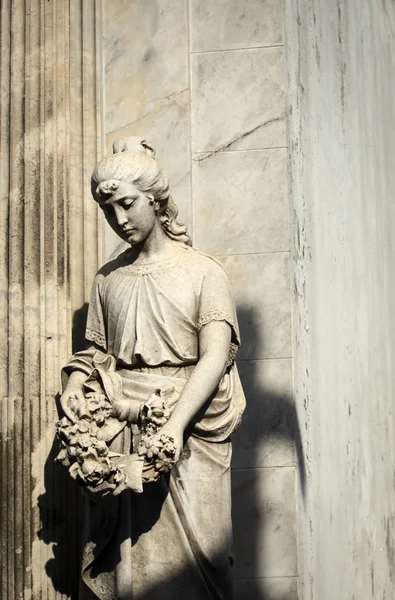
x,y
176,433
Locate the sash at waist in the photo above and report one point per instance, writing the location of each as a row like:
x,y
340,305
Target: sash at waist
x,y
216,420
179,371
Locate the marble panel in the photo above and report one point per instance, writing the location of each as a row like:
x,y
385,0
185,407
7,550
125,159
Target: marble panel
x,y
227,24
267,588
264,522
166,128
267,433
238,100
261,285
240,202
145,57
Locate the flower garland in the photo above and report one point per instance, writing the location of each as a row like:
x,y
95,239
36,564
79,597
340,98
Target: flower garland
x,y
86,453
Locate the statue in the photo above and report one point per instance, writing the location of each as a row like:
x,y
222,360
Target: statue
x,y
152,401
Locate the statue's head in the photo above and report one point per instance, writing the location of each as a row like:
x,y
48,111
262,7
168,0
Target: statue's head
x,y
130,171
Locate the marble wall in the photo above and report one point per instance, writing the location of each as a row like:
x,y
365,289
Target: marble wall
x,y
203,81
341,69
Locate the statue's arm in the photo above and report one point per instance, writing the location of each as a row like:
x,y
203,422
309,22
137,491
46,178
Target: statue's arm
x,y
214,343
78,370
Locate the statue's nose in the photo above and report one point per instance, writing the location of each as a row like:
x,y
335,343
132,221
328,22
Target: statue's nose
x,y
121,217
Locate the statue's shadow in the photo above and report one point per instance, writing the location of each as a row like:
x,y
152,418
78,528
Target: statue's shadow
x,y
268,440
61,506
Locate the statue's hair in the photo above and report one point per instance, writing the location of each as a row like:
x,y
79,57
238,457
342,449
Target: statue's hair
x,y
142,170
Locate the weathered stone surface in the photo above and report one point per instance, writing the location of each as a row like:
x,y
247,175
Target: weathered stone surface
x,y
230,24
264,522
238,100
341,130
145,58
241,202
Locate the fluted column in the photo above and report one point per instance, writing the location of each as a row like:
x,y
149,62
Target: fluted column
x,y
50,139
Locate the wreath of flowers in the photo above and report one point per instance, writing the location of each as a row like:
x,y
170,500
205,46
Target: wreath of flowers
x,y
86,453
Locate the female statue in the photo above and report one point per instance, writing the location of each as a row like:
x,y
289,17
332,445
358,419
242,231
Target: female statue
x,y
161,324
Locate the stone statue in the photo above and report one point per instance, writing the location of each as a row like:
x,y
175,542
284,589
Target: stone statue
x,y
152,401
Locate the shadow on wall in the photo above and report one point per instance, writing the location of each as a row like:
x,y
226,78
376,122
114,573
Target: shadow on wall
x,y
61,506
268,436
270,417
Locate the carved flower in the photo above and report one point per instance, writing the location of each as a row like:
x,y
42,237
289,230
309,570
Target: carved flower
x,y
63,423
93,472
72,450
93,429
101,447
100,416
84,440
94,401
63,456
83,425
65,429
151,429
89,470
82,454
73,470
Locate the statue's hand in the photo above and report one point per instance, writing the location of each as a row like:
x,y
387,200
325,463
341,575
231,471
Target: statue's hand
x,y
175,432
124,410
72,401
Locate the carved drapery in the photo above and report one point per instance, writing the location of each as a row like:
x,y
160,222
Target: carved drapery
x,y
49,250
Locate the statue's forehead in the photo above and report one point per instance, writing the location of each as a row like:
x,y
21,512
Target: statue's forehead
x,y
113,190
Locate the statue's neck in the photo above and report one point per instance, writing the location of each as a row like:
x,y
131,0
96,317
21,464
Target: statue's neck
x,y
157,246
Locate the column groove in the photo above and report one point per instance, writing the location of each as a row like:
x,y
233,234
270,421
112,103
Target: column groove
x,y
50,136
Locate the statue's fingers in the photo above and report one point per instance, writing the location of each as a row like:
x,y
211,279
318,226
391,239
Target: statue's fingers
x,y
80,397
67,410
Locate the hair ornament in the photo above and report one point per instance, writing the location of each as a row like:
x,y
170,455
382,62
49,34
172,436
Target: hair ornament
x,y
107,188
133,144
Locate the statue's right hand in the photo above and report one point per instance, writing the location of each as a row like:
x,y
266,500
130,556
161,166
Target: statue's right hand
x,y
72,402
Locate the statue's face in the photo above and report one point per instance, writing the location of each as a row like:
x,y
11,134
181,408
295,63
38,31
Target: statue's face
x,y
130,213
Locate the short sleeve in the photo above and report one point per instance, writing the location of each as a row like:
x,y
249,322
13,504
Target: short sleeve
x,y
216,301
95,325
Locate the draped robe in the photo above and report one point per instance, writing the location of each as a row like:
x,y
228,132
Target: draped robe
x,y
173,540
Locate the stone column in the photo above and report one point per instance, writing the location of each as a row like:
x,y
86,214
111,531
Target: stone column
x,y
49,115
340,70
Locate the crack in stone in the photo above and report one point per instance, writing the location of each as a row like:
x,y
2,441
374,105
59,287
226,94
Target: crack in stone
x,y
169,97
153,109
239,137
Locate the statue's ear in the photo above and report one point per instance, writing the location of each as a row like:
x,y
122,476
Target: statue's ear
x,y
151,200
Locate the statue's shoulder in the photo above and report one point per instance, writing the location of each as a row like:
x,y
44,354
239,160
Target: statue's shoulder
x,y
206,262
111,266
